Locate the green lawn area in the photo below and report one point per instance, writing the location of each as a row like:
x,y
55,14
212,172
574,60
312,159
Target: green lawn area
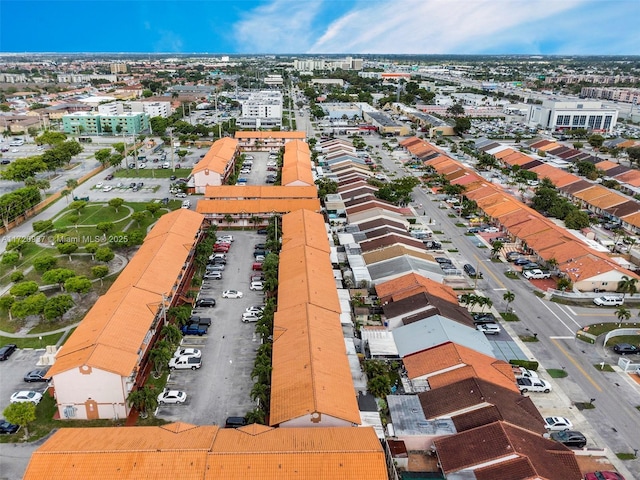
x,y
153,173
91,215
30,251
33,342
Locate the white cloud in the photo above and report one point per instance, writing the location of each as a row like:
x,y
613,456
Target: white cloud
x,y
436,26
281,26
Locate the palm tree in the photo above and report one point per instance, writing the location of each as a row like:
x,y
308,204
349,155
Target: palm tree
x,y
160,356
484,302
496,247
143,400
171,334
71,184
627,285
508,297
257,415
260,393
623,314
228,218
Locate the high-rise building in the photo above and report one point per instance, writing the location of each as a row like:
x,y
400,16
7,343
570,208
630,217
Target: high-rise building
x,y
118,68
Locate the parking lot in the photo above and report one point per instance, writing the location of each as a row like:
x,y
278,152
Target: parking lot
x,y
222,386
12,372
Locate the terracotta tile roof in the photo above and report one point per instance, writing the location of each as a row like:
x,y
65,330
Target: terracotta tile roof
x,y
632,219
606,165
531,227
590,194
271,134
137,293
412,284
504,153
557,176
467,179
259,191
305,275
517,158
541,143
311,373
304,227
632,177
296,166
445,364
494,447
550,146
207,452
261,206
475,394
218,157
608,200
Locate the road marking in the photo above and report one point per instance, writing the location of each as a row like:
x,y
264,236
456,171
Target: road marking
x,y
570,317
498,289
577,365
557,337
478,259
571,310
554,314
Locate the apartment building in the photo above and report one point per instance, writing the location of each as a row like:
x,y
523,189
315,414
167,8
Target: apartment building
x,y
89,123
261,110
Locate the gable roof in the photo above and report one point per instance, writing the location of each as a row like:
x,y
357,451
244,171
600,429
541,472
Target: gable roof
x,y
218,157
412,284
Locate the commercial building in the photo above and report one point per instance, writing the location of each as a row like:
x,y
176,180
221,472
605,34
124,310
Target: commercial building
x,y
88,123
152,109
560,115
261,110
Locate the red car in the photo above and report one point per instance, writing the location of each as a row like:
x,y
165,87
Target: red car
x,y
603,476
221,248
257,266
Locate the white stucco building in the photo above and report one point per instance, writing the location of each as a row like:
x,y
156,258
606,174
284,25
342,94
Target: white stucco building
x,y
560,115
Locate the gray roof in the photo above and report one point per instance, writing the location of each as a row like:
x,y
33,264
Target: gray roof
x,y
398,266
408,418
437,330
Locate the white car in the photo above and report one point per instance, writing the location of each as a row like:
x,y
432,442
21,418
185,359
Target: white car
x,y
142,165
225,238
26,396
557,424
256,286
271,164
14,150
187,352
231,294
107,188
245,171
536,273
213,276
533,385
248,157
250,317
254,309
99,185
186,204
172,396
488,328
491,230
181,195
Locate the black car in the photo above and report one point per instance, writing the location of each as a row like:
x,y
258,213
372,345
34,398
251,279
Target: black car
x,y
206,302
259,246
487,317
7,350
202,321
5,161
442,260
109,177
132,185
474,230
625,349
531,266
521,261
8,428
471,271
570,438
261,231
235,422
37,375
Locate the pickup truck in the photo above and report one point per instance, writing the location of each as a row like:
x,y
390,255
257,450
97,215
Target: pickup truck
x,y
521,372
201,321
194,329
535,274
533,385
183,363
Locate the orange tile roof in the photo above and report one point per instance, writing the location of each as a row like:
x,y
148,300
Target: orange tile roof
x,y
501,208
609,200
633,219
445,364
550,146
304,227
259,191
305,275
592,193
261,206
136,294
557,176
504,153
311,373
632,177
606,165
270,134
218,157
207,452
517,158
411,284
532,226
296,165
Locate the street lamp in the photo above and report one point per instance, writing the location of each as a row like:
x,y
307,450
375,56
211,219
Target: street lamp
x,y
170,130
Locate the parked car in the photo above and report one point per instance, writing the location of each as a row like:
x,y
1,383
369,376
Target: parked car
x,y
7,428
603,475
557,424
206,302
442,260
521,261
250,317
193,329
201,321
232,294
109,177
37,375
172,396
262,231
257,252
474,230
215,268
187,352
513,256
7,350
256,277
533,385
221,248
608,301
213,276
225,238
254,309
535,274
488,328
625,349
256,286
531,266
491,230
235,422
570,438
259,246
26,396
185,363
486,317
256,266
471,271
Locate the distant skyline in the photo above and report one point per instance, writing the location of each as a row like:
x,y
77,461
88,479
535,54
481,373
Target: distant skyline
x,y
421,27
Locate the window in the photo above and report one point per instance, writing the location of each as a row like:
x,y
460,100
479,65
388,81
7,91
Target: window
x,y
592,120
598,123
583,120
607,122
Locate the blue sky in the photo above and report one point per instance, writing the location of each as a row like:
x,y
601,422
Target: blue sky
x,y
547,27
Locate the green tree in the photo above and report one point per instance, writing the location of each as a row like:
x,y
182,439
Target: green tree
x,y
152,208
160,356
31,305
43,226
462,125
92,248
455,110
116,203
144,400
138,217
260,393
577,220
79,284
105,227
623,314
51,138
58,275
171,334
22,414
379,386
634,154
11,259
596,141
257,415
23,168
72,183
104,254
67,248
57,306
181,314
495,248
563,284
627,285
16,276
103,155
78,206
40,184
43,263
100,271
24,289
508,297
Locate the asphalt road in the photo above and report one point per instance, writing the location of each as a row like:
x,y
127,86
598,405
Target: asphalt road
x,y
615,420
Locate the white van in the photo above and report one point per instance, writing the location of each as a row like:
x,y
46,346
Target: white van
x,y
608,301
186,204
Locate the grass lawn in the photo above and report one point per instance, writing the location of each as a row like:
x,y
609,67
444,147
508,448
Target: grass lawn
x,y
30,251
557,373
33,342
509,317
600,328
91,215
153,173
604,368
